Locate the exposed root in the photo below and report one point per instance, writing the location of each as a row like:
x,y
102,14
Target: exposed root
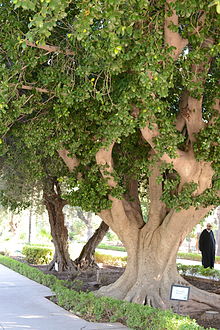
x,y
200,300
137,294
146,295
157,295
117,289
84,264
62,266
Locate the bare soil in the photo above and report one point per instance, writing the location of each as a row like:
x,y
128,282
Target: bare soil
x,y
93,279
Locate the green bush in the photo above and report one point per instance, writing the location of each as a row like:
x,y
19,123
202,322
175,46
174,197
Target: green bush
x,y
37,255
135,316
110,260
104,309
198,270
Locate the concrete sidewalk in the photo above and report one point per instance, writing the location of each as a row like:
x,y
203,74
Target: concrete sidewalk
x,y
23,306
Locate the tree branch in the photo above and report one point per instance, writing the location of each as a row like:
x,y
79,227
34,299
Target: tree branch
x,y
157,209
131,203
185,163
28,87
49,48
173,39
190,107
180,122
71,162
217,108
122,213
104,158
194,122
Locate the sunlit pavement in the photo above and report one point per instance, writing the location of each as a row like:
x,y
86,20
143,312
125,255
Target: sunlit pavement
x,y
23,306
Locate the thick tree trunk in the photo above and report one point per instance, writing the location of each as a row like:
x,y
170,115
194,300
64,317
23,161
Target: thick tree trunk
x,y
86,257
151,267
54,204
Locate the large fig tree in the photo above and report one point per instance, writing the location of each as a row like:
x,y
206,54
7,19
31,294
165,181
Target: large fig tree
x,y
127,93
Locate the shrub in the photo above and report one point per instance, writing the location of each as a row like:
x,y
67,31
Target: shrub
x,y
198,270
37,255
110,260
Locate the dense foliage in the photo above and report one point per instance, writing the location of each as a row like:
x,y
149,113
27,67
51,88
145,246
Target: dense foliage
x,y
111,74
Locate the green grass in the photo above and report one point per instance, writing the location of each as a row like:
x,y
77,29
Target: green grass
x,y
111,247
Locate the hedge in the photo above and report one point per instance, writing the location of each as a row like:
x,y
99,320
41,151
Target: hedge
x,y
37,255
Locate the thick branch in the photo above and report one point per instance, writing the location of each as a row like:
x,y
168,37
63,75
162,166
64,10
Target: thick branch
x,y
157,210
131,203
50,49
194,122
104,158
150,133
71,162
185,163
216,107
173,39
190,107
180,122
124,210
182,222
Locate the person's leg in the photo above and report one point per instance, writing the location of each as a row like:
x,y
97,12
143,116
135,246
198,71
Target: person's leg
x,y
212,260
205,259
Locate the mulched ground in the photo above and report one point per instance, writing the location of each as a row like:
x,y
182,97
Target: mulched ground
x,y
92,280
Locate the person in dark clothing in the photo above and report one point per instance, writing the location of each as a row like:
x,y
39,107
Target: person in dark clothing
x,y
207,246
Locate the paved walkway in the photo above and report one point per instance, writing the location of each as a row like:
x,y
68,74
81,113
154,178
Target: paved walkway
x,y
23,306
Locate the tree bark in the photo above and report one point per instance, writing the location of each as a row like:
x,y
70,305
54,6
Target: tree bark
x,y
54,204
86,257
